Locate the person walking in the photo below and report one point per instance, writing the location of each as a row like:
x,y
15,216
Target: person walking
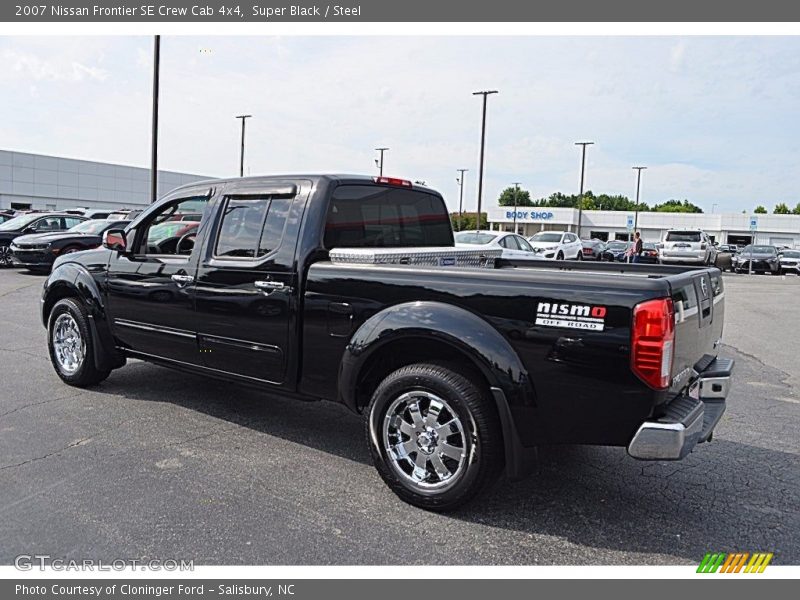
x,y
638,247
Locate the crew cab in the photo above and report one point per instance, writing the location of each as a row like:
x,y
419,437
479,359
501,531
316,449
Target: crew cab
x,y
350,289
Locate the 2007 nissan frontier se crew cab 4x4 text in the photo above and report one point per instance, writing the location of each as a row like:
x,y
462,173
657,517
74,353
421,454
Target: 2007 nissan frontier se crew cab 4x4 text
x,y
349,288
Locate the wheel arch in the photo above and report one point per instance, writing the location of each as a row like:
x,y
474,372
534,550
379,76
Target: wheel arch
x,y
417,332
71,280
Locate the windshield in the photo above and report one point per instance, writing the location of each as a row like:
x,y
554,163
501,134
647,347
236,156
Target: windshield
x,y
758,250
544,236
19,222
683,236
791,254
474,237
93,226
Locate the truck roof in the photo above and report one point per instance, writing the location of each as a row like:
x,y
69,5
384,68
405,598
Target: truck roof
x,y
341,178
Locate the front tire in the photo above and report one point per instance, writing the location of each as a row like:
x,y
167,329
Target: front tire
x,y
434,435
579,256
69,340
560,255
5,256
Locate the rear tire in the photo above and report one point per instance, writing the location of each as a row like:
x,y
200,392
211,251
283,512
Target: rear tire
x,y
434,435
69,340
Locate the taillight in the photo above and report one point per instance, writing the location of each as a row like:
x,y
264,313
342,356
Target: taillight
x,y
652,341
393,181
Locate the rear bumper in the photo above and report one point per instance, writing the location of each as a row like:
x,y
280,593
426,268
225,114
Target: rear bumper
x,y
688,420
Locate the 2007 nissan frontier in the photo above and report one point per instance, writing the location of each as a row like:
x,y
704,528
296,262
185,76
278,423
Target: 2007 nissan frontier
x,y
460,371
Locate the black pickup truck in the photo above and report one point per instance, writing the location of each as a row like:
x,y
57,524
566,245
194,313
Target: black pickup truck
x,y
460,372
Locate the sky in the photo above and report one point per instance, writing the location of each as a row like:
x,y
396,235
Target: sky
x,y
715,119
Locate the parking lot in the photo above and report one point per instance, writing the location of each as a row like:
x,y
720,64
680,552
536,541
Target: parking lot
x,y
159,464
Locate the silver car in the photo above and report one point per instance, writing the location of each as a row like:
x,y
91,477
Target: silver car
x,y
789,261
688,246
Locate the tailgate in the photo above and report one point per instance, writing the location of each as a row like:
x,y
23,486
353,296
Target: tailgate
x,y
699,299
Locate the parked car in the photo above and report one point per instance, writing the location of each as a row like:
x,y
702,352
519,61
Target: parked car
x,y
5,215
90,213
789,261
459,372
35,222
557,245
37,251
687,246
764,259
514,247
724,259
172,237
616,251
649,254
124,214
593,249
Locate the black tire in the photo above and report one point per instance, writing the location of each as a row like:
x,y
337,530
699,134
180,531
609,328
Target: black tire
x,y
5,256
481,450
85,373
560,255
580,256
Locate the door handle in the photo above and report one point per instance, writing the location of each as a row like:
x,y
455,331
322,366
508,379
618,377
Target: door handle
x,y
270,286
182,280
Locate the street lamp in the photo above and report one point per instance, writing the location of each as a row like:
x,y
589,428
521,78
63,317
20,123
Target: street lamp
x,y
638,184
583,171
485,94
713,206
379,163
241,154
154,138
516,191
460,180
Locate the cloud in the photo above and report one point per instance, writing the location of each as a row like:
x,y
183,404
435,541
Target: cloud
x,y
677,56
29,67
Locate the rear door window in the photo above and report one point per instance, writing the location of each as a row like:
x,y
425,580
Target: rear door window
x,y
368,216
251,227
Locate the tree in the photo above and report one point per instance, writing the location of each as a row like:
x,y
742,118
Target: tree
x,y
468,221
507,197
796,210
677,206
760,210
781,209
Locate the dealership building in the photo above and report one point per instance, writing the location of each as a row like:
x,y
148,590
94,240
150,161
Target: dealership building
x,y
725,228
34,181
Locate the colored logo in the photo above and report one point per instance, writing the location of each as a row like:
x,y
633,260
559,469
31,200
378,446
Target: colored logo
x,y
737,562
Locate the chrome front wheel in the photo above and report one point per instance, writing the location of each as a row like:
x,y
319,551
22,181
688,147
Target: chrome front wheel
x,y
69,346
424,440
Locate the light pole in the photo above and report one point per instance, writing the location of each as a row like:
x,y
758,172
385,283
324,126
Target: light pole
x,y
485,95
713,206
379,163
583,171
154,138
638,185
241,154
460,180
516,191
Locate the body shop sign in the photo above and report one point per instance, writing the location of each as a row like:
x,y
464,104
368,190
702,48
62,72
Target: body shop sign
x,y
530,215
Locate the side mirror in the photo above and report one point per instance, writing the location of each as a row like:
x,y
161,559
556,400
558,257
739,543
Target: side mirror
x,y
114,239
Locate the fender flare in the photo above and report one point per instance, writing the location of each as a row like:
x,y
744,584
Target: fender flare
x,y
72,279
471,335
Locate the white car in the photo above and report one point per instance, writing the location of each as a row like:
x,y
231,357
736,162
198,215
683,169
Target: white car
x,y
514,246
557,245
789,261
688,246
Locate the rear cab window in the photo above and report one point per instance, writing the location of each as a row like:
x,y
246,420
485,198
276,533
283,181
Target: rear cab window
x,y
372,216
252,226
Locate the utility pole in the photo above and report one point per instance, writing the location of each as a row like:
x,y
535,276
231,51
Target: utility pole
x,y
460,180
516,191
241,153
485,94
379,163
154,134
583,172
638,184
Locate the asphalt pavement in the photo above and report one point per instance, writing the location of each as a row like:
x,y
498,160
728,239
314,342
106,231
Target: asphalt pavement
x,y
159,464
